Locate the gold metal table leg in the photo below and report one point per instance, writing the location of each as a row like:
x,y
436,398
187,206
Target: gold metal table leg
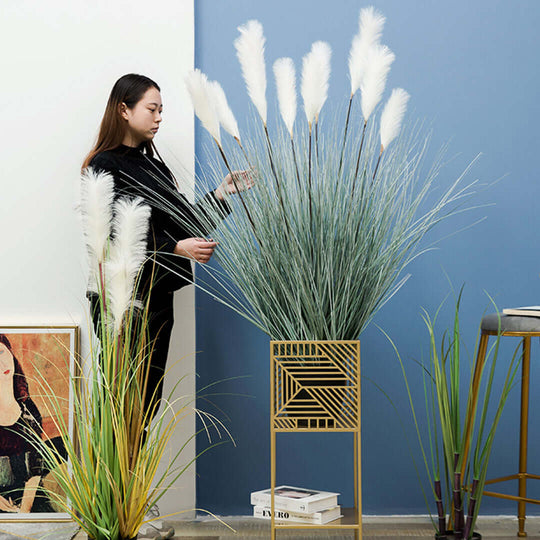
x,y
272,455
478,367
358,483
273,482
523,434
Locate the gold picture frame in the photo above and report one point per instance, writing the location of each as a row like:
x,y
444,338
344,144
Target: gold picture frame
x,y
38,363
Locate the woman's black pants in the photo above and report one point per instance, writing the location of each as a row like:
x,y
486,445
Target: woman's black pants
x,y
160,324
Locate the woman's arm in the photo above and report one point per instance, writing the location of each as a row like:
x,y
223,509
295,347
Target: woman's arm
x,y
29,494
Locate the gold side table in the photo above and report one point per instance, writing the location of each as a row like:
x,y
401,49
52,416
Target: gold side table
x,y
524,328
315,387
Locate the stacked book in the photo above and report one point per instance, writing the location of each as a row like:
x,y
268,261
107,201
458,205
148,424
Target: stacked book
x,y
527,311
297,504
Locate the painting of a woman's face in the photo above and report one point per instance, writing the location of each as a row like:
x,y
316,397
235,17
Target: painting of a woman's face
x,y
7,365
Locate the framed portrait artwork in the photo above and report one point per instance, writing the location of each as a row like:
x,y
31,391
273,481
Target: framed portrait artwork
x,y
36,363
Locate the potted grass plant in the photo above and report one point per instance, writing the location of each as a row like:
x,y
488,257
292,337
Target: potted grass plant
x,y
339,206
340,203
462,411
111,477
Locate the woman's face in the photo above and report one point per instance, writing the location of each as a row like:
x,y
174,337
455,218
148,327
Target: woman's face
x,y
143,119
7,366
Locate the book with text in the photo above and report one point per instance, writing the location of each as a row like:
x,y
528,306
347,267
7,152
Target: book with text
x,y
296,499
526,311
315,518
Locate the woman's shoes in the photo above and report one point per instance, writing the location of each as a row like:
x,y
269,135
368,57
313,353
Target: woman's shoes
x,y
156,530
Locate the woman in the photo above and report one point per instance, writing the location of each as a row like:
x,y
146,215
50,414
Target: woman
x,y
125,149
20,465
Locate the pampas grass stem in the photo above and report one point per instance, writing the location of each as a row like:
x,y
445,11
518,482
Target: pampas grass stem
x,y
378,163
243,151
317,140
296,165
103,288
345,133
274,173
271,156
358,158
309,176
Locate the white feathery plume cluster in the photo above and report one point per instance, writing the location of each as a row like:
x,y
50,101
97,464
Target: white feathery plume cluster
x,y
315,76
378,64
285,75
392,116
224,113
127,254
203,102
97,195
371,24
250,51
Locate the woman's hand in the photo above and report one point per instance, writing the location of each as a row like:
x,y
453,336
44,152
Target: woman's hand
x,y
238,181
6,505
198,249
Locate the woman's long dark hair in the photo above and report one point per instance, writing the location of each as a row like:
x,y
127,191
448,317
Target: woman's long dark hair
x,y
20,385
128,89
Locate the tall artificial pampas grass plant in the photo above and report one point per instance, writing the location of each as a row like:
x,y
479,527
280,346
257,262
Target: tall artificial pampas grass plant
x,y
340,204
462,412
111,477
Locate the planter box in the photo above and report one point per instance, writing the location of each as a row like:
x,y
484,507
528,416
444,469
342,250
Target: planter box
x,y
316,384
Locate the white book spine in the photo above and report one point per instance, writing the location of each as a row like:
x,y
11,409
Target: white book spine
x,y
316,518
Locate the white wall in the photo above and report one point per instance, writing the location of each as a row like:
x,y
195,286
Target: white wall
x,y
59,60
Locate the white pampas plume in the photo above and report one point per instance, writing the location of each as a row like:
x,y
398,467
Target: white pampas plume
x,y
203,102
392,116
127,254
315,75
250,51
223,111
97,195
371,24
286,90
379,60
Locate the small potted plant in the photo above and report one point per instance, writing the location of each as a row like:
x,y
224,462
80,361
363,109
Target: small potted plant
x,y
112,477
460,431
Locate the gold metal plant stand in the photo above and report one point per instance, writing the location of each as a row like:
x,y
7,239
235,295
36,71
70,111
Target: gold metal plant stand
x,y
315,387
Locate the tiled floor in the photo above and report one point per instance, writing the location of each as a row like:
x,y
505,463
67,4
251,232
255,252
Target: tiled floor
x,y
385,528
374,528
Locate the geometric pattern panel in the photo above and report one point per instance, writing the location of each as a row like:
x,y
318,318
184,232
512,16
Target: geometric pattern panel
x,y
316,385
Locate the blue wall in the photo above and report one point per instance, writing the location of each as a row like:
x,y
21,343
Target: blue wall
x,y
472,71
